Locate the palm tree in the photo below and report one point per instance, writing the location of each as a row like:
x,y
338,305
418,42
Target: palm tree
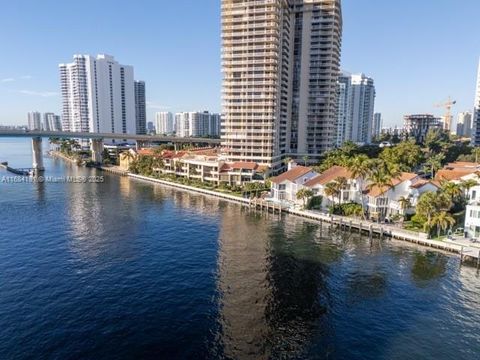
x,y
342,184
304,194
359,168
452,190
305,159
286,161
434,163
442,221
381,179
332,190
405,203
466,185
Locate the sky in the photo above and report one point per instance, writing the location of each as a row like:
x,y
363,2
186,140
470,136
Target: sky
x,y
419,52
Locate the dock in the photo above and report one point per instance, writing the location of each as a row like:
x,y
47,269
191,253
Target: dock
x,y
114,170
17,171
470,254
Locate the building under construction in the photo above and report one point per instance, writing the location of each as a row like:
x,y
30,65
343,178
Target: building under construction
x,y
417,126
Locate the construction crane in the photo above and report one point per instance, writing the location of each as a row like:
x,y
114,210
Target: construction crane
x,y
447,105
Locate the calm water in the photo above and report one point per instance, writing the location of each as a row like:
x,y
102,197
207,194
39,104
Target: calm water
x,y
131,270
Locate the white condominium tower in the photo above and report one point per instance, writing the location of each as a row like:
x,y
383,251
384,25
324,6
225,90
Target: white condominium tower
x,y
356,103
280,61
34,120
476,112
363,104
52,122
98,95
164,123
197,124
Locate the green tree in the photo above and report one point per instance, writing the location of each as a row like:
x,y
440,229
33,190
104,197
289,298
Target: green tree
x,y
431,203
360,167
434,163
442,221
476,153
435,140
304,194
305,159
452,190
332,190
405,203
466,185
407,155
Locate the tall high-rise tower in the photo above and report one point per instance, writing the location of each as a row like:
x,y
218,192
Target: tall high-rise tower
x,y
280,65
377,125
164,123
98,95
344,109
140,108
464,124
363,104
476,112
34,120
355,108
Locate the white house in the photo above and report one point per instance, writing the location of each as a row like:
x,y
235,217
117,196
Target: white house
x,y
458,171
350,194
472,215
383,202
286,185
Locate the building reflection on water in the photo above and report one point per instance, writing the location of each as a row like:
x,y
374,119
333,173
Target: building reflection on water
x,y
103,218
273,294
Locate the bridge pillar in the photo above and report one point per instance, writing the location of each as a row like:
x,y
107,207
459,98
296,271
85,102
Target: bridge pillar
x,y
37,154
96,146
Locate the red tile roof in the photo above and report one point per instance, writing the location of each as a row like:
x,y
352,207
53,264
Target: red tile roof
x,y
377,191
461,164
244,165
292,174
329,175
421,183
449,175
146,152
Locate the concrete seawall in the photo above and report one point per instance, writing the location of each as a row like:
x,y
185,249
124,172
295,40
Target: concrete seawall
x,y
363,226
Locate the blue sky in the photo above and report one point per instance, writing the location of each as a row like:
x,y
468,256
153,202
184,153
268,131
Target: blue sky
x,y
418,51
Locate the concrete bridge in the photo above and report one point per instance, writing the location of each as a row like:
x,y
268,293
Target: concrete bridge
x,y
96,141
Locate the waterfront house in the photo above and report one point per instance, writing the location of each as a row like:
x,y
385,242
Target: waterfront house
x,y
351,193
459,171
206,165
241,172
286,185
472,214
387,201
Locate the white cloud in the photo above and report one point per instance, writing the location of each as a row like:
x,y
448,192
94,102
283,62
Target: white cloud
x,y
26,77
7,80
38,93
156,106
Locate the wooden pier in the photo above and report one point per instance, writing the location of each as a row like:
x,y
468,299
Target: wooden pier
x,y
467,253
264,205
17,171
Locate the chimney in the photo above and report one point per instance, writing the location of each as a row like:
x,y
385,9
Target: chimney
x,y
291,165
